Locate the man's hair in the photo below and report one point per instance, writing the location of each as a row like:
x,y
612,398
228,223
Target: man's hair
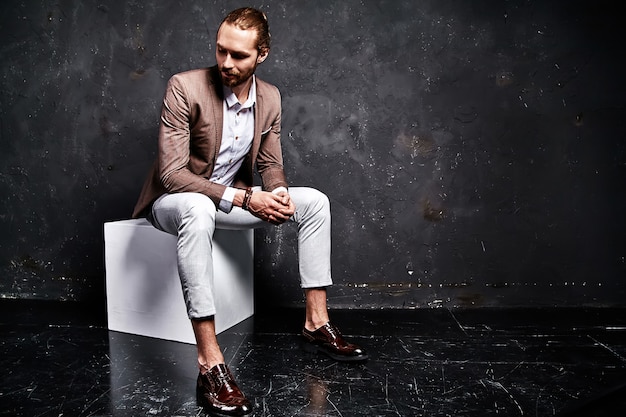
x,y
248,18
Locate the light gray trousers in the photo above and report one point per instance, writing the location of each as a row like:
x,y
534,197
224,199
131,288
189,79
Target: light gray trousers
x,y
193,218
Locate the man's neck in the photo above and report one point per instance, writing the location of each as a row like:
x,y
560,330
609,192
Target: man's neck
x,y
243,90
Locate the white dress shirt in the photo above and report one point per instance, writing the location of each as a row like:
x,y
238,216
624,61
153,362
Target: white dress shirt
x,y
237,136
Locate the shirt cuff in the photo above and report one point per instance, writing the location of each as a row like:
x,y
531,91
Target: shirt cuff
x,y
226,203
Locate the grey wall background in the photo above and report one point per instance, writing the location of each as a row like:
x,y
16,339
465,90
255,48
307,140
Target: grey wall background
x,y
474,152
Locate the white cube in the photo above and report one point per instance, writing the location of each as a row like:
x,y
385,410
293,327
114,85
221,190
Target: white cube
x,y
144,295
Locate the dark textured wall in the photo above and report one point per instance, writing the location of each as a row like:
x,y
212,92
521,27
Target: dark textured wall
x,y
474,152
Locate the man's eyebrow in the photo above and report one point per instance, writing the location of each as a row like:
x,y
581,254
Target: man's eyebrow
x,y
241,53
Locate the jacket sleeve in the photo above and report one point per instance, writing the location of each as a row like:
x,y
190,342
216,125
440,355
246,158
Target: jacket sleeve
x,y
177,115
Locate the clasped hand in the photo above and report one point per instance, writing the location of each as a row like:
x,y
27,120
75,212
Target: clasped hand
x,y
273,208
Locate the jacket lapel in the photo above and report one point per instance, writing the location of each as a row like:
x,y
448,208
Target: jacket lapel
x,y
258,127
218,111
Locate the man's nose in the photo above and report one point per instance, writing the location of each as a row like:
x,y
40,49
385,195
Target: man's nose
x,y
228,61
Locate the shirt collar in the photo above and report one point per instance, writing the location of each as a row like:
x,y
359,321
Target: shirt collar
x,y
231,98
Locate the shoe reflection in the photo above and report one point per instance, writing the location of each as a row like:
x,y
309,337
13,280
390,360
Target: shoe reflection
x,y
318,396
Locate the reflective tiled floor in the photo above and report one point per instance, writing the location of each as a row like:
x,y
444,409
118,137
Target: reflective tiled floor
x,y
60,361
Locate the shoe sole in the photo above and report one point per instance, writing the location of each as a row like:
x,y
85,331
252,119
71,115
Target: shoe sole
x,y
311,348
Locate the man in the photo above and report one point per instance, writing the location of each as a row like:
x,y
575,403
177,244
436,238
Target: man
x,y
216,124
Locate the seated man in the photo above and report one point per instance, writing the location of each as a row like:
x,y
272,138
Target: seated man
x,y
216,124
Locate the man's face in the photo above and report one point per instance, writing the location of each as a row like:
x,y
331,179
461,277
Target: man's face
x,y
236,54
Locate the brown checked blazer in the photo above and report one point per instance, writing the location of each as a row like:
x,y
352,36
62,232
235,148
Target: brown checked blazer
x,y
190,135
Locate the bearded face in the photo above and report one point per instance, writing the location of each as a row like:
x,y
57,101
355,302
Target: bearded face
x,y
237,55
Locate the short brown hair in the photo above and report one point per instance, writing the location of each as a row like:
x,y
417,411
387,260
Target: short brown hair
x,y
249,18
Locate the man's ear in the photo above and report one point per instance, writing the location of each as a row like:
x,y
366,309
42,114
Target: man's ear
x,y
262,55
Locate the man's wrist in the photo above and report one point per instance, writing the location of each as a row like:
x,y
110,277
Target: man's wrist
x,y
238,197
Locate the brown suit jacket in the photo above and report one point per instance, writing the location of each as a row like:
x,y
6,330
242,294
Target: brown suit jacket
x,y
190,135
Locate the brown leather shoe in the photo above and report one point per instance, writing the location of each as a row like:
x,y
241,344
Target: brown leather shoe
x,y
218,392
328,340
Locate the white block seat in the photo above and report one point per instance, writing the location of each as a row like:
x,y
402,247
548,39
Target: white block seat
x,y
143,290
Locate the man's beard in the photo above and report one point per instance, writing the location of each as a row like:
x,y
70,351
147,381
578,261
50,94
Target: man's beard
x,y
235,78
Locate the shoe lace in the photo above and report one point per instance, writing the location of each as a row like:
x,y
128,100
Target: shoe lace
x,y
333,331
224,379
